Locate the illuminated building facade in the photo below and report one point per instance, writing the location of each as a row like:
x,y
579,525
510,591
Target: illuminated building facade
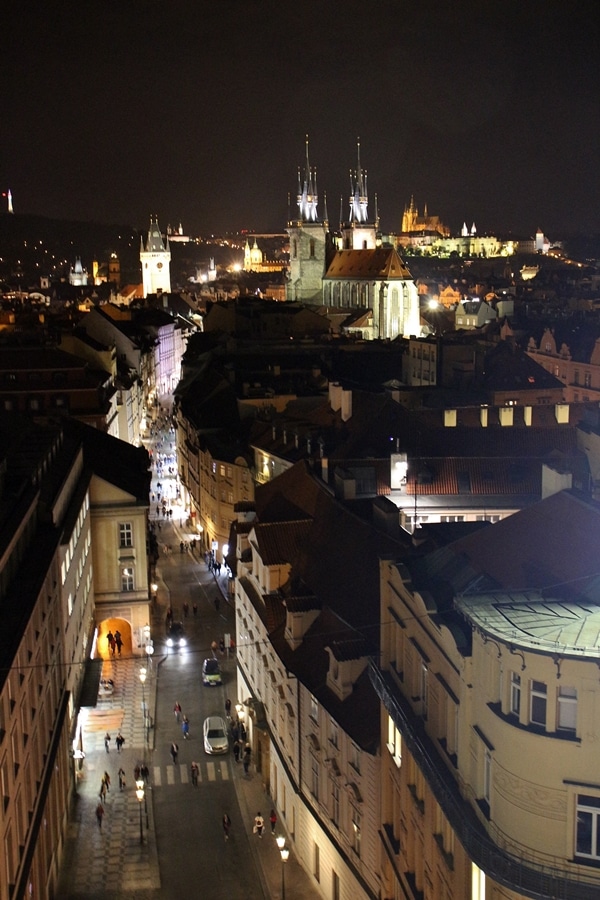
x,y
488,681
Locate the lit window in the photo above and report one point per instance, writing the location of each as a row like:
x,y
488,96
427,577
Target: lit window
x,y
314,709
127,579
394,742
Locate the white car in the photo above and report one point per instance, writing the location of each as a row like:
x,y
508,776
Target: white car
x,y
215,735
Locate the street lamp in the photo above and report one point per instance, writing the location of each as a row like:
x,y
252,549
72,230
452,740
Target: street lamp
x,y
139,793
143,673
285,854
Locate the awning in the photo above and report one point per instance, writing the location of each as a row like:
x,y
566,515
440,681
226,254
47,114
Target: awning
x,y
88,695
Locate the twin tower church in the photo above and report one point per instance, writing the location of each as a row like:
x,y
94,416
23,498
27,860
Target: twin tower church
x,y
348,270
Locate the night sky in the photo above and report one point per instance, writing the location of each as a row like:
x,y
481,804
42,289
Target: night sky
x,y
197,111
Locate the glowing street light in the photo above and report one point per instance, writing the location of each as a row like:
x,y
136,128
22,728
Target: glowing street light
x,y
285,854
139,793
143,674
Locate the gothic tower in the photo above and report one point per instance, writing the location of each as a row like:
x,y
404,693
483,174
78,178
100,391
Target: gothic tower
x,y
358,233
308,241
155,258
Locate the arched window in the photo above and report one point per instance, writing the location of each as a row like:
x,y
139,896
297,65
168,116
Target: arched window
x,y
312,248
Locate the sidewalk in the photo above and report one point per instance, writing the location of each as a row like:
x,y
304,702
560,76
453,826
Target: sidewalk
x,y
112,860
253,798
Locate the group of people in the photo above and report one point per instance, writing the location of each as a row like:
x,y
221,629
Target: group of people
x,y
115,642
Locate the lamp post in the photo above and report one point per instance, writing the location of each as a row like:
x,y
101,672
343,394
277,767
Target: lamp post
x,y
285,853
139,793
143,674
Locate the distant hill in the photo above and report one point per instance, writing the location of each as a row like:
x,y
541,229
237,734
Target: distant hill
x,y
31,246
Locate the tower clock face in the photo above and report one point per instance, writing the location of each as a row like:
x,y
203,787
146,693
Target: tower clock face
x,y
159,265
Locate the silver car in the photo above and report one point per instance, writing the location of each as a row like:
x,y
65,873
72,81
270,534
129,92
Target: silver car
x,y
215,735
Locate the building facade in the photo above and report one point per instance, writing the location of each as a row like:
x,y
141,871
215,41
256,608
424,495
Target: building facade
x,y
489,715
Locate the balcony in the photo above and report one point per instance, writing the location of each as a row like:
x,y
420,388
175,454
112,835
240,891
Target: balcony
x,y
517,868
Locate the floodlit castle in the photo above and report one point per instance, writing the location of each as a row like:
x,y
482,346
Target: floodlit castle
x,y
155,258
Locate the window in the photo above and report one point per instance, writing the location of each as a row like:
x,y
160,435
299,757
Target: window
x,y
587,380
515,694
487,775
588,827
537,712
125,534
355,757
566,719
315,778
316,861
314,709
334,733
424,689
477,883
335,803
127,579
356,832
394,743
335,885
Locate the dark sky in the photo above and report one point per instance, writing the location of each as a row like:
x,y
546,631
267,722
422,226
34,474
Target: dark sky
x,y
196,110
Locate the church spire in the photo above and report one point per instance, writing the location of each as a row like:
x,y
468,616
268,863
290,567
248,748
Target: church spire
x,y
358,192
307,192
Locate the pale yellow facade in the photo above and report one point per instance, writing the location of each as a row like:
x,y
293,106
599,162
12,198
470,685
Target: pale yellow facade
x,y
489,783
121,585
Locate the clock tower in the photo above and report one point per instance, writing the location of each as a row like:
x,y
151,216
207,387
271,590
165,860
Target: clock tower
x,y
155,258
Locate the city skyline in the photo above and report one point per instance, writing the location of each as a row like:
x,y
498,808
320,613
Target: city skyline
x,y
199,115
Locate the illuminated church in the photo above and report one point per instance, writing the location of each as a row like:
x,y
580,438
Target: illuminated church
x,y
351,270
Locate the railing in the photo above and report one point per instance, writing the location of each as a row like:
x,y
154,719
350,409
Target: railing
x,y
531,877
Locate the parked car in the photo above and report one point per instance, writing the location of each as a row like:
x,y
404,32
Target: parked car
x,y
211,672
215,735
176,635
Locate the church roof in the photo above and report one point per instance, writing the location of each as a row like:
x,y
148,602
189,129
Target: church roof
x,y
380,263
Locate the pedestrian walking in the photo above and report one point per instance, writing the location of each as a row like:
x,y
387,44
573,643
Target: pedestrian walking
x,y
177,710
137,773
122,780
145,773
228,707
185,728
107,742
174,751
226,826
110,640
119,741
236,751
102,793
118,642
247,755
99,815
242,732
273,820
259,824
106,780
195,770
